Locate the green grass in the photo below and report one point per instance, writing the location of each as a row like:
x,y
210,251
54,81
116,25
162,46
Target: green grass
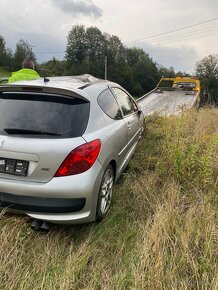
x,y
161,232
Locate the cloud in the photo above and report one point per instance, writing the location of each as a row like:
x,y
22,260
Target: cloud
x,y
77,7
45,46
180,58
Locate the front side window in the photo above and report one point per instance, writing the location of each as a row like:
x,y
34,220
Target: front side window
x,y
126,103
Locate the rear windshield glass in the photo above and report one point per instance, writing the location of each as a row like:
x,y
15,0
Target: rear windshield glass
x,y
42,115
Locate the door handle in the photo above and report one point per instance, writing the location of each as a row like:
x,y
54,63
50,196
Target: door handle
x,y
129,125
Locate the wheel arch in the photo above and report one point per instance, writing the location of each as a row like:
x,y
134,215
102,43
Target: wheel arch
x,y
114,165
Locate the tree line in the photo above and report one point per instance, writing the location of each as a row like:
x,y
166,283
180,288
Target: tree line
x,y
88,50
12,61
207,71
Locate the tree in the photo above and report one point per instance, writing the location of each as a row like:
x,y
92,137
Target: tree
x,y
117,69
182,74
53,67
86,50
207,70
22,51
116,52
144,70
6,55
2,50
96,44
166,72
131,67
96,51
76,45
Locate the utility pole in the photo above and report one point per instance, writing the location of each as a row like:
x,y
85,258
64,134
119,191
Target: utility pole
x,y
105,68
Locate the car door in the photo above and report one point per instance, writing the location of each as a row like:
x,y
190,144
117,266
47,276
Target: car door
x,y
130,115
115,131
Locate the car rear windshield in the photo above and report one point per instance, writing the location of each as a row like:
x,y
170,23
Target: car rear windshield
x,y
42,115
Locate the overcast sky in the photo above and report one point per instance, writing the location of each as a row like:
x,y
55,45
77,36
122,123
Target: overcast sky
x,y
45,25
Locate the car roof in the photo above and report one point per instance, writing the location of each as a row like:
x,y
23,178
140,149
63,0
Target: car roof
x,y
71,82
81,84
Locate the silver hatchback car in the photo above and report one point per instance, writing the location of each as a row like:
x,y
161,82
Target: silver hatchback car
x,y
64,141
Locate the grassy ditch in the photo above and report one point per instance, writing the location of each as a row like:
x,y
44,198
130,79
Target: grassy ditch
x,y
161,232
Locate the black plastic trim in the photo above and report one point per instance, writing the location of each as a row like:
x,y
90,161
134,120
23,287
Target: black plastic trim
x,y
40,204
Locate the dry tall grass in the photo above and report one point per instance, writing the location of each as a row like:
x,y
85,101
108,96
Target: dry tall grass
x,y
162,230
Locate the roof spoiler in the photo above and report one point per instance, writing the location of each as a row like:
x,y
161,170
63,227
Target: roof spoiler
x,y
43,89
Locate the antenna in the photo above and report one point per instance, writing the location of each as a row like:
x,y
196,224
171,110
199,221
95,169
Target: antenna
x,y
46,80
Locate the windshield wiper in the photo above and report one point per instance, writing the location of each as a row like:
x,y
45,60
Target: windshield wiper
x,y
28,132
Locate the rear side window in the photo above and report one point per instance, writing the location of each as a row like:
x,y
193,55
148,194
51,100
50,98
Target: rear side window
x,y
42,115
109,105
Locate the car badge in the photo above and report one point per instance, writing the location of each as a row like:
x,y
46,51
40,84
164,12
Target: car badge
x,y
2,143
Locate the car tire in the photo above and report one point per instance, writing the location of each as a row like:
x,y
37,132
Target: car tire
x,y
105,193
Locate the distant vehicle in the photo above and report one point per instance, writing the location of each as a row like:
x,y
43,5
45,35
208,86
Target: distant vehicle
x,y
64,141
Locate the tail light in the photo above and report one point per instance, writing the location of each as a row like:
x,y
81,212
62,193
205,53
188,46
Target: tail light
x,y
80,159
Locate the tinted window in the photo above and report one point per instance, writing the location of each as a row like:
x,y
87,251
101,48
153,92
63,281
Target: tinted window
x,y
52,114
126,103
109,105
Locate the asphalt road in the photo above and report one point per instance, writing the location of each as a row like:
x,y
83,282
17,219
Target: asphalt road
x,y
167,102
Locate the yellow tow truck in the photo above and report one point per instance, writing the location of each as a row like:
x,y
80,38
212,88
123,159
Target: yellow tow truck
x,y
171,96
184,83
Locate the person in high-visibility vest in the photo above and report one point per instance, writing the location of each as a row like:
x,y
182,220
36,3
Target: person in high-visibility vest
x,y
26,73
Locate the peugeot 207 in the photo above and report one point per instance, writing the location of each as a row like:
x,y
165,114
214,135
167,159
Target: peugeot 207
x,y
64,141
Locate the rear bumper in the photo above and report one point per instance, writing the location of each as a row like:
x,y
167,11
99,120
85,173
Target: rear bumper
x,y
64,200
42,205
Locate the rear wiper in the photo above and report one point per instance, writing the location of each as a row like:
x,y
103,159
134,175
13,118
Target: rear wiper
x,y
28,132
